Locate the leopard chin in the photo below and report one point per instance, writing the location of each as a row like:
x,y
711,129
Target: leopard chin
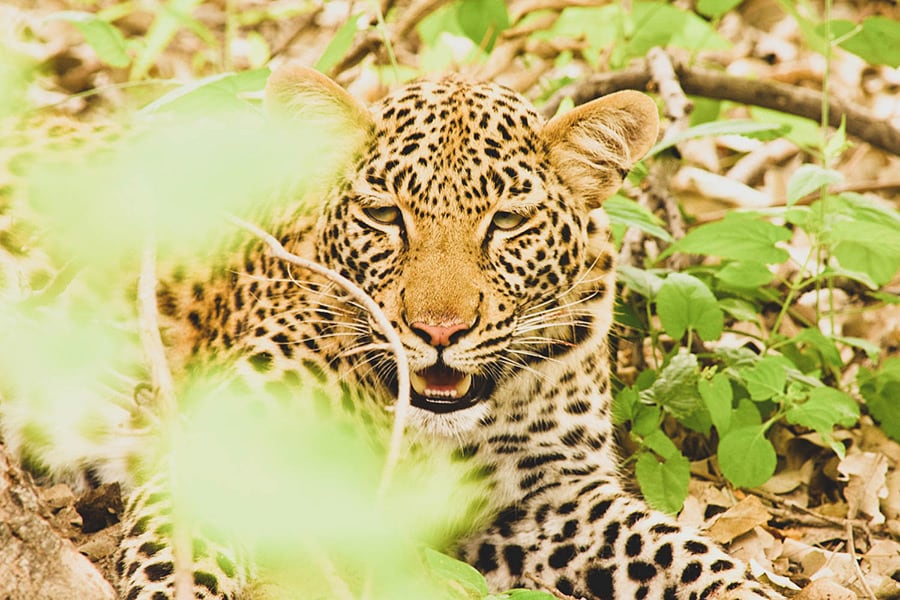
x,y
452,425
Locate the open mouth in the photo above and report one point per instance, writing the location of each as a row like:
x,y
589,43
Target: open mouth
x,y
441,389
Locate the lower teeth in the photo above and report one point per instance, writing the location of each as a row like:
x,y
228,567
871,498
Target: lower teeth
x,y
421,387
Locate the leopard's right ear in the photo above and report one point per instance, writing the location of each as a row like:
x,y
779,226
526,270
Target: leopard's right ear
x,y
302,95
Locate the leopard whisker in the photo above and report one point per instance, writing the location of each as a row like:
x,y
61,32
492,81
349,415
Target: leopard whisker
x,y
364,348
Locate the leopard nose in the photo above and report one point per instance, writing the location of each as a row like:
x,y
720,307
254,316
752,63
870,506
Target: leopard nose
x,y
439,335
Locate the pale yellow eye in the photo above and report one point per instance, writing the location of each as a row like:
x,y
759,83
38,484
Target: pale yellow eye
x,y
386,215
507,220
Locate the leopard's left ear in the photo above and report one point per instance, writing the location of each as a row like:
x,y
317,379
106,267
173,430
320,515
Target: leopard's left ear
x,y
594,145
318,120
298,93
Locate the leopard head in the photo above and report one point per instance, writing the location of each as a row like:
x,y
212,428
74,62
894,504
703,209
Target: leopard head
x,y
465,216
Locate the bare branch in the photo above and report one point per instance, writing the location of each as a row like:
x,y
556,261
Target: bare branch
x,y
767,94
148,320
164,388
401,408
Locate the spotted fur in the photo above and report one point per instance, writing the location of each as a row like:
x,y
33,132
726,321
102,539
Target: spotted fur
x,y
469,220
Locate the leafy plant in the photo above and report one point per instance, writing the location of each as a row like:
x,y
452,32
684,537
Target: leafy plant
x,y
738,393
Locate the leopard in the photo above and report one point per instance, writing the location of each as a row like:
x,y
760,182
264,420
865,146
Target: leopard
x,y
477,228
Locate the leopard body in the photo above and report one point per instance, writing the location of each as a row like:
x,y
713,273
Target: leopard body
x,y
473,224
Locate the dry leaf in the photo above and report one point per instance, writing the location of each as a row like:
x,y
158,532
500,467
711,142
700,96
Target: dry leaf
x,y
785,481
825,589
816,563
739,519
891,504
866,474
884,557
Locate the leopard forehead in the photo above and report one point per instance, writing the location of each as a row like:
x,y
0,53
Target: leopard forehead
x,y
448,146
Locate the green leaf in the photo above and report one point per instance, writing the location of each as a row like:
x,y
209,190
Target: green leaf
x,y
627,212
685,302
169,19
717,396
837,143
716,8
823,345
739,236
873,351
106,40
645,283
740,309
338,46
661,444
664,484
662,24
875,41
881,390
872,248
800,130
824,408
456,570
442,20
745,127
765,379
210,94
624,405
631,34
809,178
675,389
745,414
646,419
483,20
745,274
746,457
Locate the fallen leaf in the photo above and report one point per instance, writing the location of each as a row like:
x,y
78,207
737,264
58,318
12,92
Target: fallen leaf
x,y
785,481
891,504
825,589
816,563
883,557
759,571
739,519
865,473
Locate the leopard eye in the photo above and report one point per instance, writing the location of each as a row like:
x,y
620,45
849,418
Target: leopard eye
x,y
507,221
386,215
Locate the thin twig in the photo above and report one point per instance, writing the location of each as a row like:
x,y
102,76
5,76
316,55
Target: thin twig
x,y
148,316
164,387
851,549
840,523
384,324
371,41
